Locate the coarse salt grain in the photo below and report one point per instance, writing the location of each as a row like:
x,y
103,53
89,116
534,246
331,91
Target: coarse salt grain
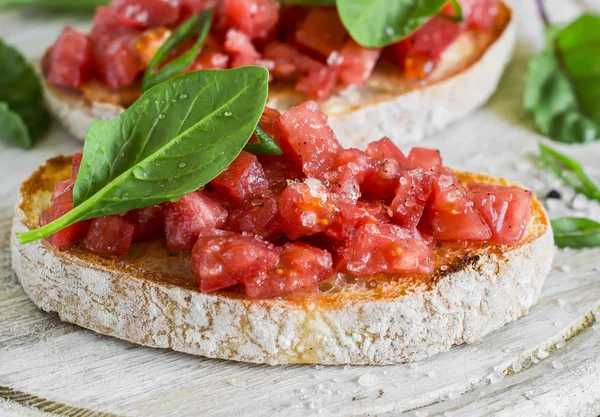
x,y
367,380
562,302
495,377
542,354
565,268
557,364
560,344
517,365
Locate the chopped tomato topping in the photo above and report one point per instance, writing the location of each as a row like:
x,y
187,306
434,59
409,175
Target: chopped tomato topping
x,y
244,179
148,222
186,218
117,60
350,170
227,259
382,182
109,236
256,18
319,82
241,49
62,203
413,191
77,156
259,216
192,7
425,158
321,32
506,210
108,21
148,13
289,61
70,59
351,215
357,63
480,14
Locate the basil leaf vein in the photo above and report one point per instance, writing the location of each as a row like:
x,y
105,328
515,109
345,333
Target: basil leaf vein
x,y
576,232
176,138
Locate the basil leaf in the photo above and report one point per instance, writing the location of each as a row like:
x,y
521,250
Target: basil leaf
x,y
570,171
199,24
13,128
266,144
176,138
66,5
21,90
563,83
576,232
458,14
378,23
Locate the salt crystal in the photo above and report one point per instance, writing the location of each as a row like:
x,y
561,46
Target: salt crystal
x,y
347,367
302,390
562,302
560,344
565,268
534,359
448,414
367,380
237,383
542,354
421,413
495,377
580,202
557,364
529,394
517,365
336,380
385,372
454,395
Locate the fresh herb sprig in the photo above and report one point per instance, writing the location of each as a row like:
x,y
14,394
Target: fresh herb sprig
x,y
266,144
23,117
198,24
576,232
563,81
176,138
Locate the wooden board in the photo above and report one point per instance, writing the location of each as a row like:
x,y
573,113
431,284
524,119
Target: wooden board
x,y
546,364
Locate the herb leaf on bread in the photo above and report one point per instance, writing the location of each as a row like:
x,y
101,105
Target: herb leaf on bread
x,y
176,138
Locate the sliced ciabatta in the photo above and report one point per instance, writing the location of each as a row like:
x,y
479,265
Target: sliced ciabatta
x,y
151,298
389,105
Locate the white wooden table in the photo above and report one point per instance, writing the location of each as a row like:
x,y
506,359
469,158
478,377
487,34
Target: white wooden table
x,y
58,368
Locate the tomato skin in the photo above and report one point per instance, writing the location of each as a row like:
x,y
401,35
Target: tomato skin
x,y
506,210
70,62
427,159
148,13
307,140
109,236
242,180
413,191
300,266
357,63
62,203
186,218
117,61
385,248
227,259
321,32
256,18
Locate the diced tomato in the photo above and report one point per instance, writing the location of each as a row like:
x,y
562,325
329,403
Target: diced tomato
x,y
427,159
300,266
108,21
321,32
191,7
278,171
307,140
351,168
62,203
385,248
259,216
256,18
241,49
186,218
70,59
148,222
351,215
62,186
389,161
451,215
224,260
289,62
357,63
77,157
267,120
109,236
384,149
117,60
306,208
210,60
244,179
481,14
506,210
149,42
413,192
148,13
318,83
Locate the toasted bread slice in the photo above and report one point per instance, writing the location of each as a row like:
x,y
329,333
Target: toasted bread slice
x,y
150,297
389,105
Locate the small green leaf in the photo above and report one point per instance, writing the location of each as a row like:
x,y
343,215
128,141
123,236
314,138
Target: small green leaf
x,y
21,90
176,138
563,83
570,171
198,24
266,144
13,128
378,23
576,232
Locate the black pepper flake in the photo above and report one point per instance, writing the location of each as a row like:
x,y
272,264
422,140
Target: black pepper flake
x,y
553,194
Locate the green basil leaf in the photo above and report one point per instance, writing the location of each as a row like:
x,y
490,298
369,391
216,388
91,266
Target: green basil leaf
x,y
13,128
198,24
176,138
458,14
570,171
266,144
63,5
378,23
563,83
576,232
21,90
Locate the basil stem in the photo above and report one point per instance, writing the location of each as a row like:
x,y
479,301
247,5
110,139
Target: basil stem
x,y
570,171
266,144
199,24
576,232
458,14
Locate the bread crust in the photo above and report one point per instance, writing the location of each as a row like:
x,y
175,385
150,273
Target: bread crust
x,y
480,293
388,105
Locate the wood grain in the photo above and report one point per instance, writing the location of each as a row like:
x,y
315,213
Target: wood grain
x,y
48,359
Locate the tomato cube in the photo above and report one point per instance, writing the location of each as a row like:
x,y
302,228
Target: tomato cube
x,y
506,210
70,59
243,180
389,161
259,216
414,189
321,32
148,13
256,18
352,215
223,260
186,218
357,63
307,140
210,60
241,49
318,83
300,266
77,157
109,22
278,171
481,14
351,168
62,203
427,159
385,248
109,236
451,215
117,60
148,222
289,62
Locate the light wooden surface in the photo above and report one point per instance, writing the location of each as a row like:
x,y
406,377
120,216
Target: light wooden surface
x,y
67,370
